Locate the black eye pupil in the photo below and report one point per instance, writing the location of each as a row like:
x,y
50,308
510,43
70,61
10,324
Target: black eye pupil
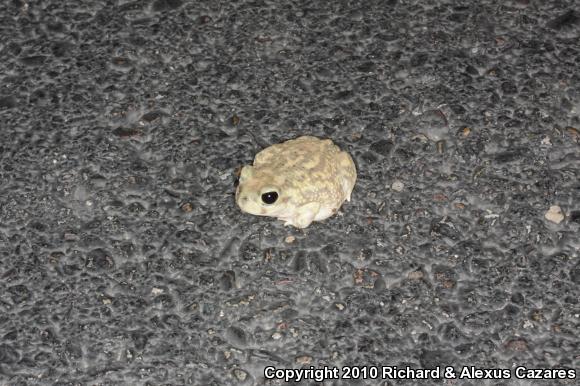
x,y
269,197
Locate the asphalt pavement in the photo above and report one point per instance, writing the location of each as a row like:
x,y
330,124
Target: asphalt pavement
x,y
124,259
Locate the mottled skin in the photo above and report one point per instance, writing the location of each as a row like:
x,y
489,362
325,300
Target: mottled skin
x,y
312,178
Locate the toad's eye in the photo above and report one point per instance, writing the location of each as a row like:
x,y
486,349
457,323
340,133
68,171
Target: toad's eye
x,y
269,197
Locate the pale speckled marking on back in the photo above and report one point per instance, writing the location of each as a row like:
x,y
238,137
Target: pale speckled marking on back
x,y
270,154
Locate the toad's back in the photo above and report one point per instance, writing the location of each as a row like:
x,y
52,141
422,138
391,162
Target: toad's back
x,y
310,165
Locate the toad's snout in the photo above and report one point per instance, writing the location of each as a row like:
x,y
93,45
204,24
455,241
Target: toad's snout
x,y
240,195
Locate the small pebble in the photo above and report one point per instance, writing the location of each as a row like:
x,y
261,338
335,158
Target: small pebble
x,y
204,19
555,214
415,275
156,291
573,132
187,207
397,186
439,197
290,239
366,278
440,146
304,360
276,336
517,344
241,375
70,237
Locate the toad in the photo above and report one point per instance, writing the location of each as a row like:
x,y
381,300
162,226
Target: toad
x,y
298,181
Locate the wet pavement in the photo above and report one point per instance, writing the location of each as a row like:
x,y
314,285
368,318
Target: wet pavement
x,y
125,261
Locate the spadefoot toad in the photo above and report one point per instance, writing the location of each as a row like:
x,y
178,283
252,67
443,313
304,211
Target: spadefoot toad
x,y
298,181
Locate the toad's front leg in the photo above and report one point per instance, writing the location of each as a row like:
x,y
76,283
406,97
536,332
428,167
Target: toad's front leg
x,y
305,214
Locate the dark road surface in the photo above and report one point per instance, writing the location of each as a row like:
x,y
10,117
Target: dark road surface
x,y
125,261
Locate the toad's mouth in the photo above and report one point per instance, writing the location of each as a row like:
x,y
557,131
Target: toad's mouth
x,y
247,205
